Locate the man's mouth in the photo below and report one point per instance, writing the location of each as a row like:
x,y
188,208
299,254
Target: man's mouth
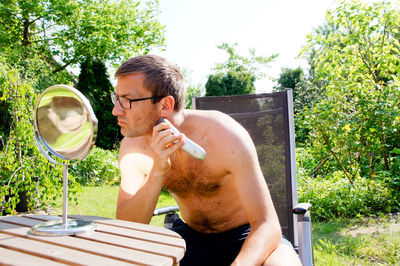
x,y
120,122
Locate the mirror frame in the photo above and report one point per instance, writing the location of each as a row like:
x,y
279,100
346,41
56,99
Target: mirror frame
x,y
42,143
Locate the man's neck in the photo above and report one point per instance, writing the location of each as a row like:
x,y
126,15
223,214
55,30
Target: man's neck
x,y
177,118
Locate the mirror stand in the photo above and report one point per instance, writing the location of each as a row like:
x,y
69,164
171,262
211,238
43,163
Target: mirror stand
x,y
64,226
66,127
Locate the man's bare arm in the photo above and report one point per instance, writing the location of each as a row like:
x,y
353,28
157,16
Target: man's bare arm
x,y
142,175
139,190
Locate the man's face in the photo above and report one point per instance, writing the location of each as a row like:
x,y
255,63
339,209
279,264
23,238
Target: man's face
x,y
142,116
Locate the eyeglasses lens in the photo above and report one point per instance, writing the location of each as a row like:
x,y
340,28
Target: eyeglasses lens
x,y
123,102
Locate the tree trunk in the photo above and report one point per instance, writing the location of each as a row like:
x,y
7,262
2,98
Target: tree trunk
x,y
25,40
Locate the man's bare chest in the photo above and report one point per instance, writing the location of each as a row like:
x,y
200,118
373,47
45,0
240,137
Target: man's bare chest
x,y
191,176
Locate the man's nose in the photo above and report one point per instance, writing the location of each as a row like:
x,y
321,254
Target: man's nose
x,y
117,110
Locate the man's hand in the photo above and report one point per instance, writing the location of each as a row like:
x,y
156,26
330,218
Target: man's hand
x,y
163,145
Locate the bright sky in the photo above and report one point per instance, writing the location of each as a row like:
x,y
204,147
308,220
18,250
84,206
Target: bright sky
x,y
194,28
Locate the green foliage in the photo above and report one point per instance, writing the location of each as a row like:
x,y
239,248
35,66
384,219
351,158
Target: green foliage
x,y
357,57
231,83
237,75
191,92
100,167
253,64
305,94
334,196
65,32
289,79
39,40
95,85
23,170
43,38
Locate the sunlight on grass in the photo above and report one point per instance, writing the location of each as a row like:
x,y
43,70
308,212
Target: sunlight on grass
x,y
102,201
335,242
96,201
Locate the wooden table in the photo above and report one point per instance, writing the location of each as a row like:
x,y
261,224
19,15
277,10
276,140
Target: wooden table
x,y
113,242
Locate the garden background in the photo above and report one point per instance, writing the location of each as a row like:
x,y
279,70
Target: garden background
x,y
346,105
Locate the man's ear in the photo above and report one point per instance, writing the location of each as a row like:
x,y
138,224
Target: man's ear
x,y
166,105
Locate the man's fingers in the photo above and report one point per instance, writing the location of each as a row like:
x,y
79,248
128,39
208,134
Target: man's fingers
x,y
171,141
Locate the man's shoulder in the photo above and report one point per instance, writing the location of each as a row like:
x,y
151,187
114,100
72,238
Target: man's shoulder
x,y
219,125
216,118
136,144
133,152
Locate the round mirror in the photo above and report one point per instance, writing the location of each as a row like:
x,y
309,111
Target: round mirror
x,y
65,126
65,123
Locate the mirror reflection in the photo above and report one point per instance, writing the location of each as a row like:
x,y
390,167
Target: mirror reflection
x,y
65,122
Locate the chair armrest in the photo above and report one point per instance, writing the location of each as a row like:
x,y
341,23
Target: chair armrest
x,y
304,233
301,208
165,210
170,215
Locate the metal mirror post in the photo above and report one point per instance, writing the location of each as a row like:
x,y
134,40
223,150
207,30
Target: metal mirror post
x,y
65,126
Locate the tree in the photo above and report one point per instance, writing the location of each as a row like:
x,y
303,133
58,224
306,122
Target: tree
x,y
289,78
42,38
357,124
292,79
95,85
306,92
237,75
62,33
230,83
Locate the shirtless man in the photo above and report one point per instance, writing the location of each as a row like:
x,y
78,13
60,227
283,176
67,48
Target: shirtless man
x,y
225,204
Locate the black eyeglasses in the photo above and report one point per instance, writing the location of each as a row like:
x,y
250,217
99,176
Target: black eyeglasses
x,y
125,103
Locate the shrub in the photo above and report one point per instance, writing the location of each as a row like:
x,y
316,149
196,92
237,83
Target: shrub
x,y
98,168
334,196
24,172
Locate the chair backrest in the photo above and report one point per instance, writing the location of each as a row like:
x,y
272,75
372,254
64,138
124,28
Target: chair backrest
x,y
268,118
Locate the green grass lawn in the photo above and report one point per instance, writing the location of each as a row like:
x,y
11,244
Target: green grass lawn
x,y
364,241
102,201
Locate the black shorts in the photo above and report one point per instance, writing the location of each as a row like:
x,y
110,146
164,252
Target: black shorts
x,y
211,249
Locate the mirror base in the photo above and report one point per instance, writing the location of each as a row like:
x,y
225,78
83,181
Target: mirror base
x,y
58,228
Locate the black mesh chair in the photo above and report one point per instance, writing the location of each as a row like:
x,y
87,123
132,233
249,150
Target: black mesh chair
x,y
268,118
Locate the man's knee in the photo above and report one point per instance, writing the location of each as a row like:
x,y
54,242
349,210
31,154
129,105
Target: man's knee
x,y
283,255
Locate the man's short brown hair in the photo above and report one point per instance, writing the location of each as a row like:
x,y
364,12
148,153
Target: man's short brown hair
x,y
162,78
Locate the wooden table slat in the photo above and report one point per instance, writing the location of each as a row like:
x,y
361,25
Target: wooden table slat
x,y
141,227
168,248
155,248
113,242
156,238
53,252
94,247
20,220
12,257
